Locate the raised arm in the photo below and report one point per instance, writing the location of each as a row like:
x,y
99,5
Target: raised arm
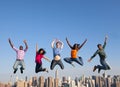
x,y
52,44
106,37
11,44
105,41
26,44
68,43
36,47
82,44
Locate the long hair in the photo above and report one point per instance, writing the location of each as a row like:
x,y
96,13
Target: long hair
x,y
76,45
41,49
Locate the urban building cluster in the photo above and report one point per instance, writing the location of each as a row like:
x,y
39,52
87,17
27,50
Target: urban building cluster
x,y
92,81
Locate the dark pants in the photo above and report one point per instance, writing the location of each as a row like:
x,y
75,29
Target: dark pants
x,y
39,68
77,60
103,66
56,62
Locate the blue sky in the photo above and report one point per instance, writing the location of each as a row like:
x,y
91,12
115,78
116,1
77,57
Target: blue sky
x,y
41,21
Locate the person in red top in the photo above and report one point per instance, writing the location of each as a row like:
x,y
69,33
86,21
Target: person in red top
x,y
38,59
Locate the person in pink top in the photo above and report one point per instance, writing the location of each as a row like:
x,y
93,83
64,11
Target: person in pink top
x,y
38,59
20,53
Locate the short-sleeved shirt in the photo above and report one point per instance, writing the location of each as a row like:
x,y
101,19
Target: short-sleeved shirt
x,y
38,58
20,53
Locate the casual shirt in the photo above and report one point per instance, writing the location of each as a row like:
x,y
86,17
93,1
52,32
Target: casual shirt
x,y
56,51
101,53
38,58
20,53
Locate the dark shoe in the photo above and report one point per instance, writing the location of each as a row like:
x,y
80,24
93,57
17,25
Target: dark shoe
x,y
46,70
81,61
94,68
72,64
21,70
15,71
99,70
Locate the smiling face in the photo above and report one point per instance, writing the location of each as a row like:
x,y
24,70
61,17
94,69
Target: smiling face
x,y
21,48
58,45
41,51
75,46
99,46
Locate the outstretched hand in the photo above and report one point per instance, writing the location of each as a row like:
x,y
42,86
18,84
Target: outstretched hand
x,y
9,39
89,60
25,41
106,37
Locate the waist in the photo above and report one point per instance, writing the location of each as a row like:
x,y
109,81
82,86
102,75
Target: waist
x,y
19,59
57,57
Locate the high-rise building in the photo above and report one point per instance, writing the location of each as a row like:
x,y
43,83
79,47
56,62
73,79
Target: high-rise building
x,y
41,81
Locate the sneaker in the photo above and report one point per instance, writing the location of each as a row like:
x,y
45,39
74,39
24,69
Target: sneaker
x,y
21,70
94,68
15,71
99,70
46,70
81,61
72,64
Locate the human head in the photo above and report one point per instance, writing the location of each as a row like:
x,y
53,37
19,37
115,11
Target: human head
x,y
58,44
99,46
41,51
76,46
20,47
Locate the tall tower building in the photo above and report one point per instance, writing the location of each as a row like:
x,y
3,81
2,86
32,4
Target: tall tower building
x,y
41,81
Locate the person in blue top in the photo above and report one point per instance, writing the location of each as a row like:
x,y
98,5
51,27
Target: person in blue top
x,y
57,46
102,55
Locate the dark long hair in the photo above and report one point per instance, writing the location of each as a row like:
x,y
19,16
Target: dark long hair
x,y
41,49
76,45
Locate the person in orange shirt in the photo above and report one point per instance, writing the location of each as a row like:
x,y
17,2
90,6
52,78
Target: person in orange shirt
x,y
74,53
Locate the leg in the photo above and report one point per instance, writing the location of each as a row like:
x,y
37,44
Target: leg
x,y
37,67
69,60
61,64
22,66
15,66
104,66
53,64
79,61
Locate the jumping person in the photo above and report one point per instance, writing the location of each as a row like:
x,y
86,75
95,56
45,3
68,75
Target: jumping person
x,y
57,46
74,53
38,59
20,53
102,55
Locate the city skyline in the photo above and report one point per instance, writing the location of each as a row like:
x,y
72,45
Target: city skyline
x,y
42,21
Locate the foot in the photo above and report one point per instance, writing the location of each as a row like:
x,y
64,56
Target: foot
x,y
72,64
81,61
46,71
15,71
21,70
99,70
94,68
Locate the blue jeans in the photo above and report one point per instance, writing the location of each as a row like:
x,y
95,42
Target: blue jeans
x,y
103,65
77,60
56,62
19,63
